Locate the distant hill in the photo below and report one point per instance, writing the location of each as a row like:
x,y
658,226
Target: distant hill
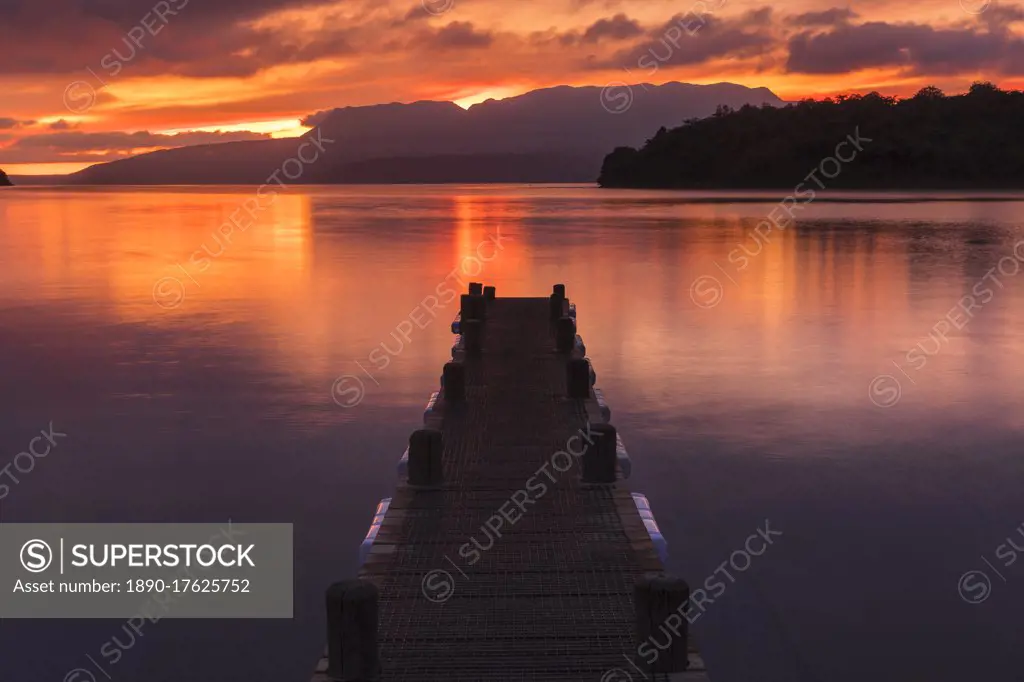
x,y
39,179
556,134
4,180
929,141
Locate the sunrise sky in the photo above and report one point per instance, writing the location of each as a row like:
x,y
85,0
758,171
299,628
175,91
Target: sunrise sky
x,y
85,82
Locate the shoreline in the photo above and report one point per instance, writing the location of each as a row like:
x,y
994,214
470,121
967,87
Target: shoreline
x,y
650,194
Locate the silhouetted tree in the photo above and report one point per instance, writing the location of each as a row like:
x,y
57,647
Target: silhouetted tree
x,y
984,88
929,92
929,140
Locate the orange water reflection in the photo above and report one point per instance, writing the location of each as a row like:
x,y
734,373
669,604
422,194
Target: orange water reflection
x,y
323,276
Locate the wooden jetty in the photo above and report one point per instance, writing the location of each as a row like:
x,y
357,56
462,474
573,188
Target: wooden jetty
x,y
511,549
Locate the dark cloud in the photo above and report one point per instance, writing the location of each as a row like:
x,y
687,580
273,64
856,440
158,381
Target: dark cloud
x,y
688,39
185,37
829,17
60,125
11,123
316,119
551,37
122,15
243,50
918,48
761,17
459,34
998,17
619,27
419,12
81,146
402,50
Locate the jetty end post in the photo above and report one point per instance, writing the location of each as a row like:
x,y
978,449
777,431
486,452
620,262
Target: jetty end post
x,y
556,304
352,619
473,314
473,307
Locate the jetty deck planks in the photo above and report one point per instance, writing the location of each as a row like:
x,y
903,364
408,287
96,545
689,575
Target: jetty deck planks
x,y
512,569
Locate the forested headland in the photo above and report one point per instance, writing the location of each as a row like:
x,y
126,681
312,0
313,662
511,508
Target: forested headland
x,y
973,140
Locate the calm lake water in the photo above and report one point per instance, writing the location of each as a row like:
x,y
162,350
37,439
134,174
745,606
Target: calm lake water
x,y
829,378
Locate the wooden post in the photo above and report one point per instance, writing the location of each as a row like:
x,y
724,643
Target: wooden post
x,y
426,447
472,336
577,379
352,652
565,334
559,290
556,306
473,307
476,289
453,380
599,457
489,293
661,604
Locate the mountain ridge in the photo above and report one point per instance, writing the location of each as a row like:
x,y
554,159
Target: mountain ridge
x,y
565,128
